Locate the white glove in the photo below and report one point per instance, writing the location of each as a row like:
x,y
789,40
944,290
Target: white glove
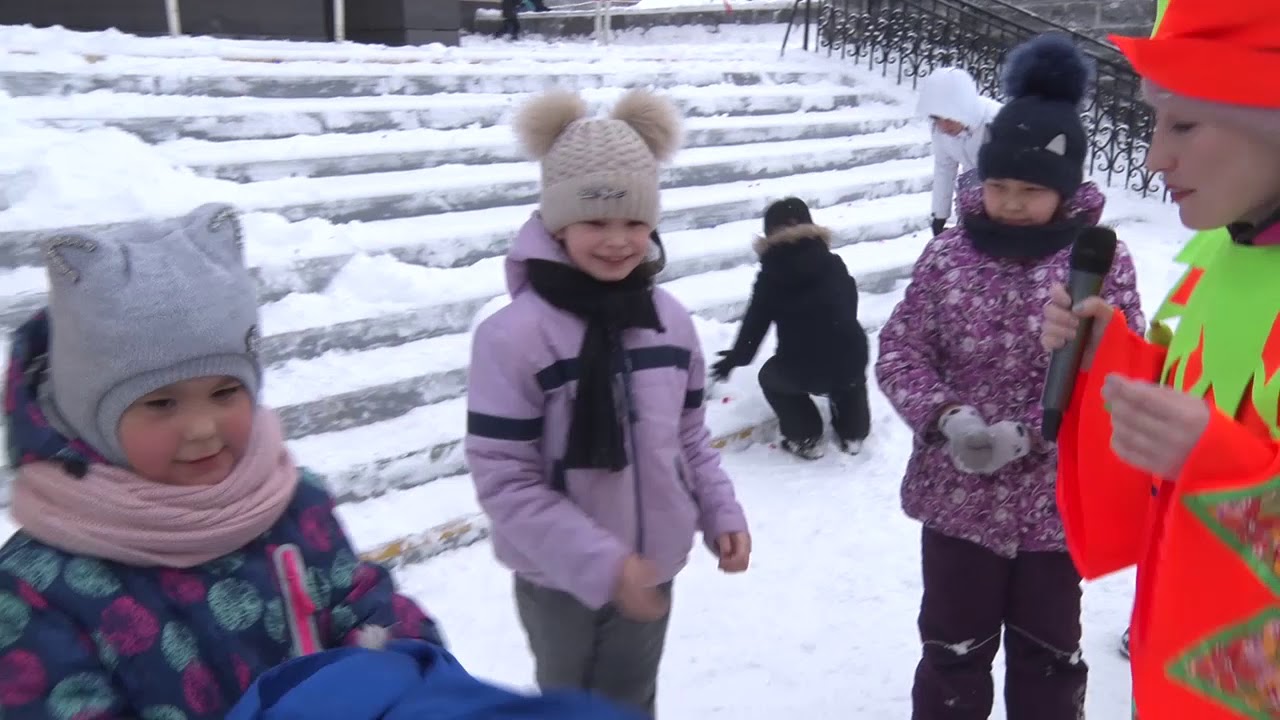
x,y
978,448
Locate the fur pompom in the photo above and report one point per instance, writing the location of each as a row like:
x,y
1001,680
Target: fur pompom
x,y
1048,66
654,118
373,637
545,117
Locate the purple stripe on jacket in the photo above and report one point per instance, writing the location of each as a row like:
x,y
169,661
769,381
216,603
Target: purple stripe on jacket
x,y
571,531
967,332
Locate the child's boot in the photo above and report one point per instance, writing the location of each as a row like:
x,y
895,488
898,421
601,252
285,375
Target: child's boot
x,y
810,449
850,447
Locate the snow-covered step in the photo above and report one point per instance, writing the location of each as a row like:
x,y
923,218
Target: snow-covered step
x,y
341,389
389,528
414,302
411,524
356,154
459,188
91,50
462,238
424,443
330,80
160,118
474,235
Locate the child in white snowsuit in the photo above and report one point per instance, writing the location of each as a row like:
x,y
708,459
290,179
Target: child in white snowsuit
x,y
949,98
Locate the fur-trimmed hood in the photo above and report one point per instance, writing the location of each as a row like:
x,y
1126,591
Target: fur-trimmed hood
x,y
791,234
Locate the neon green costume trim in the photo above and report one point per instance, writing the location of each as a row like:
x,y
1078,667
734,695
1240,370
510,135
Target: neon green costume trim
x,y
1161,6
1233,308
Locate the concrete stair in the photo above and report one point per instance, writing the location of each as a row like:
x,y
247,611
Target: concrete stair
x,y
418,185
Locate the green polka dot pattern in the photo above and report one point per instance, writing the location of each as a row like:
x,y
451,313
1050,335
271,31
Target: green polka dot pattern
x,y
178,645
226,565
163,712
14,616
274,621
82,695
235,604
343,621
343,572
90,577
107,654
38,566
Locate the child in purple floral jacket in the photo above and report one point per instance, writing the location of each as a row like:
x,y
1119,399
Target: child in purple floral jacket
x,y
961,362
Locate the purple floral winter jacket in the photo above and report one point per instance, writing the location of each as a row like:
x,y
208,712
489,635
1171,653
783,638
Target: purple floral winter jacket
x,y
967,332
571,530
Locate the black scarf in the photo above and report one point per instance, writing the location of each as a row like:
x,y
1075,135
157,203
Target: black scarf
x,y
1021,242
1244,233
595,433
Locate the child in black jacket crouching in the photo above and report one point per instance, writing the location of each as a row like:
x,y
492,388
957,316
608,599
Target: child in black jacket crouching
x,y
806,290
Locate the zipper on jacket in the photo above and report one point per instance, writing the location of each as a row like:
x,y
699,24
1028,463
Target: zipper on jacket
x,y
299,609
629,402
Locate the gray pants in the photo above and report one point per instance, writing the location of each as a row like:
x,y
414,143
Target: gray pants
x,y
598,650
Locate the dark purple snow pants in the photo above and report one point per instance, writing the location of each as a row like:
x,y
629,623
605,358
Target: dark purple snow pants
x,y
970,596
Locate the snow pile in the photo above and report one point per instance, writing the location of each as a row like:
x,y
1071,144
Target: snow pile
x,y
99,175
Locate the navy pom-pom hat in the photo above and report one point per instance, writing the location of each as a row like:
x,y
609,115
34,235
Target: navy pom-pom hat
x,y
1037,137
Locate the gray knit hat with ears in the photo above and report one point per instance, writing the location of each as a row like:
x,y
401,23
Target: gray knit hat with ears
x,y
142,305
599,168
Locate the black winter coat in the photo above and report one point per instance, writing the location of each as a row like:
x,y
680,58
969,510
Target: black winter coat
x,y
807,291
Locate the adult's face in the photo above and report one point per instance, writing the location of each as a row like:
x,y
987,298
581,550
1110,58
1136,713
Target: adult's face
x,y
1216,172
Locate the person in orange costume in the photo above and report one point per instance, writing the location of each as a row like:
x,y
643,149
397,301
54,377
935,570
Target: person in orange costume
x,y
1169,457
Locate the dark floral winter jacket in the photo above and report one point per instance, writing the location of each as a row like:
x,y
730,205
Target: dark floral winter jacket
x,y
967,332
89,639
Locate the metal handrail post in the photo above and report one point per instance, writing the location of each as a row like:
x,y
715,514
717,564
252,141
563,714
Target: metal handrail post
x,y
339,20
173,17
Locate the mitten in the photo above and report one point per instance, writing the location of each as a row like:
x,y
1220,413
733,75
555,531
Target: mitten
x,y
978,448
939,224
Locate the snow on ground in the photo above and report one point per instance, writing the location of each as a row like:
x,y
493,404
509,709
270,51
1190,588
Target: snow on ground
x,y
822,625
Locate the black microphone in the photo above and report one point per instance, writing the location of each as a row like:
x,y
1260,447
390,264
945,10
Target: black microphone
x,y
1091,259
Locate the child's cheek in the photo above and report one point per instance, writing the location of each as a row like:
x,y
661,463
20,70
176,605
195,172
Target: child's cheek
x,y
237,427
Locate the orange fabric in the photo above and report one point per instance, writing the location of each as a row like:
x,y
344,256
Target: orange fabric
x,y
1198,39
1192,584
1102,536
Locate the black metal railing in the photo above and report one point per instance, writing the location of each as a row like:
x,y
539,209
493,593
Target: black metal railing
x,y
908,39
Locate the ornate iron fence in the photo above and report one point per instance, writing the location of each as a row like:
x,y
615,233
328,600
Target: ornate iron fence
x,y
908,39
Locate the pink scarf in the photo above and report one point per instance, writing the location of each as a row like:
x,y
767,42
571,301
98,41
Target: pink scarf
x,y
113,514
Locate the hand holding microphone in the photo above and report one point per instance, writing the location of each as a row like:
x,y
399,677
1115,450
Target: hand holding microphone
x,y
1075,319
1062,322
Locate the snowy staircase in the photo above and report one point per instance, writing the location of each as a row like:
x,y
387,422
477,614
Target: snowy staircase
x,y
381,199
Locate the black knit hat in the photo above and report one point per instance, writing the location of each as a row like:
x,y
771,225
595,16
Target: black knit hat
x,y
1037,137
784,213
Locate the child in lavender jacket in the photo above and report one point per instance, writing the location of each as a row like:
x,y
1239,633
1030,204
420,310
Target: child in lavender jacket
x,y
961,362
585,427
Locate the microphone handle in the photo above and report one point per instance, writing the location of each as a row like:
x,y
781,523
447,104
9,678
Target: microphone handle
x,y
1064,364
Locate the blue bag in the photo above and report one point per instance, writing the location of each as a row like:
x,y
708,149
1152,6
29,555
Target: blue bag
x,y
409,680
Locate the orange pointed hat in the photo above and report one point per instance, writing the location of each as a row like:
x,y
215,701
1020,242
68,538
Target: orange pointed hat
x,y
1225,51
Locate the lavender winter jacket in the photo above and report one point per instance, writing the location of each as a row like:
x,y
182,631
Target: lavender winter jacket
x,y
967,332
571,531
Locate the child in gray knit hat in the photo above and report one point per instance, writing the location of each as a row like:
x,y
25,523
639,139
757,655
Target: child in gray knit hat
x,y
586,436
147,470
